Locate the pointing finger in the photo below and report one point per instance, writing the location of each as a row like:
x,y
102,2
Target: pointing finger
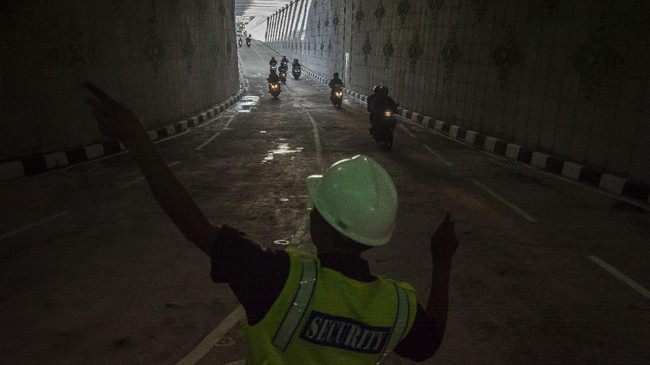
x,y
99,93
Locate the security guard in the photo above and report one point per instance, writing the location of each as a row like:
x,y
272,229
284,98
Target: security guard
x,y
303,309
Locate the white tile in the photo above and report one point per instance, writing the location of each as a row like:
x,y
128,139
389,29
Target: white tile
x,y
612,183
453,131
572,170
470,137
489,143
512,150
539,159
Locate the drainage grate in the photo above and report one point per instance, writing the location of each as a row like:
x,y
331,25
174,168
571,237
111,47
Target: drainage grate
x,y
505,161
81,169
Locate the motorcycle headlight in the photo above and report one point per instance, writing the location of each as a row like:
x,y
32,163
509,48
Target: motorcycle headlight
x,y
388,113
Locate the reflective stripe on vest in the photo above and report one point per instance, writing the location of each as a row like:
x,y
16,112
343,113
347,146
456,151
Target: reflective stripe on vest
x,y
401,321
298,306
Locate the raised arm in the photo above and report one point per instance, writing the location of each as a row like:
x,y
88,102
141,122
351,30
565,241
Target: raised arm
x,y
121,123
443,247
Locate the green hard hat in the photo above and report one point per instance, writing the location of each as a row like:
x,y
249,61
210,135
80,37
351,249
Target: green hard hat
x,y
357,197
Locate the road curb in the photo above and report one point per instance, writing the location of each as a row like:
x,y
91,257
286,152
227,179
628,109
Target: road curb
x,y
39,163
572,170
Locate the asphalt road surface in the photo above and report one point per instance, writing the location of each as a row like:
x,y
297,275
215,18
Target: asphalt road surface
x,y
93,272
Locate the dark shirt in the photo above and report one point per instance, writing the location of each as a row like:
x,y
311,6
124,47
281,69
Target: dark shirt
x,y
384,102
370,106
257,277
336,83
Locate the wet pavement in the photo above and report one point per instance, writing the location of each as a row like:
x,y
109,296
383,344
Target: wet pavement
x,y
92,271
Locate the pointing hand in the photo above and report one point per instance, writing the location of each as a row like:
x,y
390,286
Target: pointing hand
x,y
114,118
444,242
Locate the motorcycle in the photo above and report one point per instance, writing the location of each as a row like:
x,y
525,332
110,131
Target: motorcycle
x,y
283,74
337,96
239,42
382,130
273,69
274,89
248,42
296,72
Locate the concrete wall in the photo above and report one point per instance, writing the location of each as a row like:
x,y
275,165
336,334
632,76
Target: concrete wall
x,y
164,58
568,78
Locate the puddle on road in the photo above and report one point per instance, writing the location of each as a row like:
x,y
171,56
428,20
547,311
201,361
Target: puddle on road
x,y
283,149
247,103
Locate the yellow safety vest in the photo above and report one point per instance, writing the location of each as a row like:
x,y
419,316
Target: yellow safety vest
x,y
324,317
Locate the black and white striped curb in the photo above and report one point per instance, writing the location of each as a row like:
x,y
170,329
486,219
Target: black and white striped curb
x,y
36,164
575,171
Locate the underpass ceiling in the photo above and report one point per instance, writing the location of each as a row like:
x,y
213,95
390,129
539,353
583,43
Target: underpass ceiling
x,y
258,7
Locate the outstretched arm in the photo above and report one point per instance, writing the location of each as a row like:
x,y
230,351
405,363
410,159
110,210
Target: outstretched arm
x,y
443,247
121,123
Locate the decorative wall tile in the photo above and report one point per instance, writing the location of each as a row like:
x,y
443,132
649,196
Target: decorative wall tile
x,y
451,51
388,51
380,12
403,10
506,55
414,51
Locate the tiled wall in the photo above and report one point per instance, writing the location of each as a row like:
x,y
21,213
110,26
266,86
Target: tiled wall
x,y
166,59
565,77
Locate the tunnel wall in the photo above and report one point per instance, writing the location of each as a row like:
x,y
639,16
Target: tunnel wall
x,y
257,28
165,59
569,78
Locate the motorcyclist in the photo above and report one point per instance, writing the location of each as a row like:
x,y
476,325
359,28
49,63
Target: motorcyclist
x,y
382,102
273,63
284,61
295,65
248,40
273,79
239,42
283,72
371,107
335,83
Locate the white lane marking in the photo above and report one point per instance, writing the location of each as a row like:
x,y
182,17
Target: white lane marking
x,y
314,127
133,182
438,156
200,147
213,337
406,130
505,201
620,276
29,226
258,54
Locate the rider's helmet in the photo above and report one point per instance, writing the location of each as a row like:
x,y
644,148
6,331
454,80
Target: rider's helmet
x,y
357,197
383,91
375,89
336,74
